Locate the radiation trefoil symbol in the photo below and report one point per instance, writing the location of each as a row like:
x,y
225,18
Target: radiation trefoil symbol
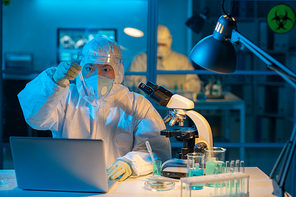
x,y
281,18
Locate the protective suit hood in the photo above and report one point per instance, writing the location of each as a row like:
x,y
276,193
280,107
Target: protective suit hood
x,y
164,37
102,50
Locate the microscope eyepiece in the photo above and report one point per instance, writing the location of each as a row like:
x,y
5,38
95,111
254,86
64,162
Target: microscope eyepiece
x,y
157,93
154,86
145,89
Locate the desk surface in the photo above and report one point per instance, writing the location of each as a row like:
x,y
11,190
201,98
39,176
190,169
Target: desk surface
x,y
229,99
260,185
229,102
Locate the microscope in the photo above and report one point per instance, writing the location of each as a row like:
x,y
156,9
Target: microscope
x,y
195,139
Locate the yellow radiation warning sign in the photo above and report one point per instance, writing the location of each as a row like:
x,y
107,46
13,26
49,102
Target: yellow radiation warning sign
x,y
281,18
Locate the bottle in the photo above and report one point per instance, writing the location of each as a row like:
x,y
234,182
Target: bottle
x,y
219,88
175,87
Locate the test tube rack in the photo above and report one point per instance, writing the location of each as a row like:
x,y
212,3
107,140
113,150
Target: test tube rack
x,y
230,184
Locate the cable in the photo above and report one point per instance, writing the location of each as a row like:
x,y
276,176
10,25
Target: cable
x,y
229,14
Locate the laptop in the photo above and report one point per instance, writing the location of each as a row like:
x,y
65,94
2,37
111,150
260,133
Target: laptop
x,y
53,164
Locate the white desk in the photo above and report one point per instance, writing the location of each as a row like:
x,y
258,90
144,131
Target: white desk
x,y
260,185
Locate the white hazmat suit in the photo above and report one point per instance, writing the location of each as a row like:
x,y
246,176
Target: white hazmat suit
x,y
167,59
123,119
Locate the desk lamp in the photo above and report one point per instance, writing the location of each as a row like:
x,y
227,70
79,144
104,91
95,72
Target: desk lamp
x,y
216,53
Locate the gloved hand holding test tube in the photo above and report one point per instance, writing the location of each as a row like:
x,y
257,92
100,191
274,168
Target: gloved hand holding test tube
x,y
81,76
156,164
83,83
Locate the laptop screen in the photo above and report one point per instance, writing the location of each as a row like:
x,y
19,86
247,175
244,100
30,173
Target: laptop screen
x,y
59,164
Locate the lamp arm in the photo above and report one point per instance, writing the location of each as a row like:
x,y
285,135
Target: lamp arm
x,y
289,150
285,158
272,63
291,153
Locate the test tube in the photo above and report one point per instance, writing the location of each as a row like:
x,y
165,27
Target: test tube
x,y
237,182
231,170
237,166
81,76
242,169
231,182
222,184
237,186
216,183
220,167
227,182
83,83
227,166
232,163
242,166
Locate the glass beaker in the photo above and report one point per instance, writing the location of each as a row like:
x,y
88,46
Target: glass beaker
x,y
195,166
215,158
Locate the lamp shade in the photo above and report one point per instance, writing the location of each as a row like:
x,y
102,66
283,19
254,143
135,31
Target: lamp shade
x,y
216,52
214,55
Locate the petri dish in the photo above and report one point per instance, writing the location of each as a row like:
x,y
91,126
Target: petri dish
x,y
159,185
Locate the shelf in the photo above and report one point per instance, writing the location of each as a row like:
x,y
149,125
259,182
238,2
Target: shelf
x,y
270,115
21,71
20,74
238,83
280,84
237,145
206,72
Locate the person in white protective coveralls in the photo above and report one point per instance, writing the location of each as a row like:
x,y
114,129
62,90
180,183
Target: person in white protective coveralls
x,y
167,59
123,120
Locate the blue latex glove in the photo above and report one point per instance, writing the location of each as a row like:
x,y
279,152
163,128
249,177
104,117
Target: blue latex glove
x,y
117,169
64,72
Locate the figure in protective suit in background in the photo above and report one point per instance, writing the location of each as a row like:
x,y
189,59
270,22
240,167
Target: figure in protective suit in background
x,y
123,120
167,59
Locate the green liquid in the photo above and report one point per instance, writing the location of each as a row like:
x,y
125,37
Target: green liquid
x,y
210,169
156,165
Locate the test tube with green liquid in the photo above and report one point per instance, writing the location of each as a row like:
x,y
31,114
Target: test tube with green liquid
x,y
242,169
232,181
237,182
216,183
227,182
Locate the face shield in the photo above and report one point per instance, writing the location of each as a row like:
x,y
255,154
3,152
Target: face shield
x,y
95,59
97,65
